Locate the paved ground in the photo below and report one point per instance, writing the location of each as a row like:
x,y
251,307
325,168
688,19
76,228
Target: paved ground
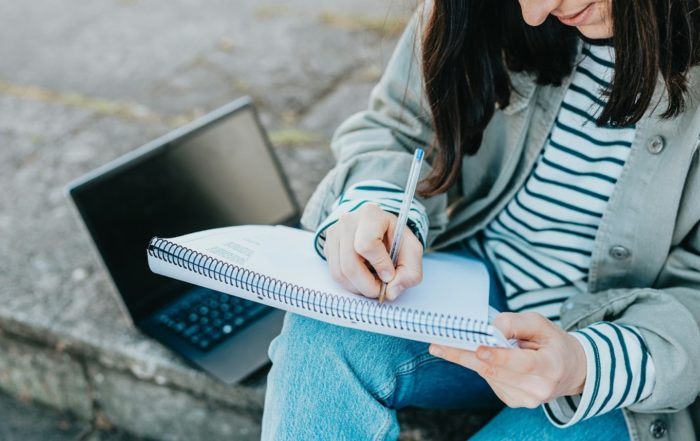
x,y
84,81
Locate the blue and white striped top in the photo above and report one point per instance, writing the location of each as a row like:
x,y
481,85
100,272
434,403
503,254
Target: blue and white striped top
x,y
544,237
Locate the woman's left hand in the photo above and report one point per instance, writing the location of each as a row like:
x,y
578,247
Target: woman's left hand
x,y
548,364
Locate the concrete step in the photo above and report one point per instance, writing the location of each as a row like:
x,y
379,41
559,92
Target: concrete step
x,y
29,421
141,389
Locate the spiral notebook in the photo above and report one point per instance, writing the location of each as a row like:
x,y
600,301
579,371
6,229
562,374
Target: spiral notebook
x,y
277,266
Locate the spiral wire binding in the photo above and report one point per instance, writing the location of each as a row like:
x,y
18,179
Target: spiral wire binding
x,y
356,310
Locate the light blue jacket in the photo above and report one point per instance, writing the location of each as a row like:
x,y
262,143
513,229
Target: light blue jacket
x,y
645,267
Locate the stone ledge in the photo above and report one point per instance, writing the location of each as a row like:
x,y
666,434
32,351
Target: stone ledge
x,y
94,382
170,400
29,371
178,415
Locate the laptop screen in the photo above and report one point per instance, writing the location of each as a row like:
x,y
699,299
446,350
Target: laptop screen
x,y
220,175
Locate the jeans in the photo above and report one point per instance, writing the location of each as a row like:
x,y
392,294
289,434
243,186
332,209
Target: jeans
x,y
328,382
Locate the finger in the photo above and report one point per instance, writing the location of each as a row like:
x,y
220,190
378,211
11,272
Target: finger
x,y
352,266
491,373
331,250
514,397
524,344
502,393
522,326
355,271
467,359
527,391
511,397
409,266
369,240
525,361
454,355
530,372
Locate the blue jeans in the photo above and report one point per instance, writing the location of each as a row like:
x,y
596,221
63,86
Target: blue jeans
x,y
333,383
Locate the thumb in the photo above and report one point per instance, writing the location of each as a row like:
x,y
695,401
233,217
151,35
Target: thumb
x,y
409,267
528,326
369,243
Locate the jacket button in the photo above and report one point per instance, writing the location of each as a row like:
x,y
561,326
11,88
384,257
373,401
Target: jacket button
x,y
657,429
655,144
619,252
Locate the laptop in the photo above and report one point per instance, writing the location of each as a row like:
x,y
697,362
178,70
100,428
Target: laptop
x,y
217,171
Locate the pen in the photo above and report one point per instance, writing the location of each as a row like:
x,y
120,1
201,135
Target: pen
x,y
403,214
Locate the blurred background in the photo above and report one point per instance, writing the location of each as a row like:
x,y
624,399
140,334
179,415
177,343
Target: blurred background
x,y
81,83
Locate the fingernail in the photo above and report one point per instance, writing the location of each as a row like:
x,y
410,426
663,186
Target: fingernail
x,y
484,355
386,276
435,351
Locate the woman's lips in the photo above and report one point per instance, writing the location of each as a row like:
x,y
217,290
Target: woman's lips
x,y
578,18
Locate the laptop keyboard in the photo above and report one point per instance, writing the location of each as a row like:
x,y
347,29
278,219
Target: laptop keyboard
x,y
206,318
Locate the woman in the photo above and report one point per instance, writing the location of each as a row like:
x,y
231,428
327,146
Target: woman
x,y
564,140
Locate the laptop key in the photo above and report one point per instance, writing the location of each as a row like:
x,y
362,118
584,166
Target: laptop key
x,y
209,318
191,330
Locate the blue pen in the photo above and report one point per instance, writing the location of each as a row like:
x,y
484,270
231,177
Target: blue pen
x,y
403,214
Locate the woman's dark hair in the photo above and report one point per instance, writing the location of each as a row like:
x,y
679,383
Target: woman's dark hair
x,y
470,46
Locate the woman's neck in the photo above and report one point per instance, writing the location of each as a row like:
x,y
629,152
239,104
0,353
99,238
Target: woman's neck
x,y
596,41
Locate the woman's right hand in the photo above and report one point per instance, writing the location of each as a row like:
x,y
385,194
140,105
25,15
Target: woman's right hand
x,y
359,241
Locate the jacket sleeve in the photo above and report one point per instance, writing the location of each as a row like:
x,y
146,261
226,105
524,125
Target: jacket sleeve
x,y
667,319
378,143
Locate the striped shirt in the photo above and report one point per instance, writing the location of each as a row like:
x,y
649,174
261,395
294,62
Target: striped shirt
x,y
544,237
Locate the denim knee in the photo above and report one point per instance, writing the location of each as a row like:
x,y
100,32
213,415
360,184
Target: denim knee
x,y
352,355
302,338
325,382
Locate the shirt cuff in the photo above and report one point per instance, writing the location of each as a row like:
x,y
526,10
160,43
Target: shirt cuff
x,y
619,373
387,196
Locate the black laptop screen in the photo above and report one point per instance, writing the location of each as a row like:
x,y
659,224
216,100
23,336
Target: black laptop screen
x,y
223,174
